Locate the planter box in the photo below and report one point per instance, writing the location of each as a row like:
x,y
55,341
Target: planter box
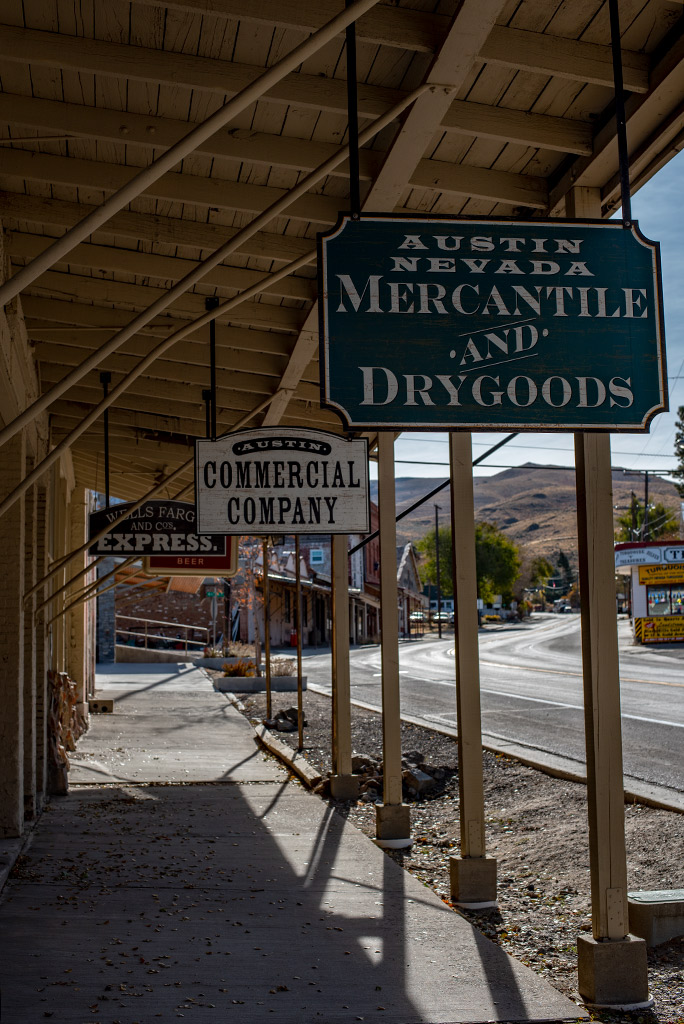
x,y
218,663
257,684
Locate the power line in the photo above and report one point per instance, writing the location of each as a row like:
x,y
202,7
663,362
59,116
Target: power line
x,y
531,448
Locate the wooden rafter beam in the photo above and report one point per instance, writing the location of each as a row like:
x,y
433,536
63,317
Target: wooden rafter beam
x,y
214,193
519,126
193,369
463,117
152,132
642,112
74,287
531,51
563,58
219,193
156,268
144,64
384,25
231,342
147,420
152,227
169,386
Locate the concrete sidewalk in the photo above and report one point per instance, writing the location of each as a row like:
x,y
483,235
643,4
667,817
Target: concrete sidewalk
x,y
231,893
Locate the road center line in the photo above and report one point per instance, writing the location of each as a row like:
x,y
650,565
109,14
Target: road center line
x,y
576,675
553,703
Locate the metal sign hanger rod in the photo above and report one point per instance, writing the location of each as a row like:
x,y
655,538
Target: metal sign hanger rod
x,y
620,119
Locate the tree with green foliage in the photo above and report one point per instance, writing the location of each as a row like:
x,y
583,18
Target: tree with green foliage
x,y
541,572
428,565
497,562
661,521
567,577
679,451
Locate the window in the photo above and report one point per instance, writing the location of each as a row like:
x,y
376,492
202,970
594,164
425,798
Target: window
x,y
316,556
666,600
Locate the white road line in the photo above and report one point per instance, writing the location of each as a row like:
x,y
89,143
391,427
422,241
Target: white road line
x,y
554,703
578,707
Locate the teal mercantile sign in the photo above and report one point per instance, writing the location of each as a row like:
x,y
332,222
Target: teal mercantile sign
x,y
485,325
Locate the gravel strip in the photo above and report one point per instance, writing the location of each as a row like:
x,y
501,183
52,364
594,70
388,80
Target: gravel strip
x,y
536,828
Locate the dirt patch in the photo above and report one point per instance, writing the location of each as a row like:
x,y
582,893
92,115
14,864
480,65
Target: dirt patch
x,y
536,829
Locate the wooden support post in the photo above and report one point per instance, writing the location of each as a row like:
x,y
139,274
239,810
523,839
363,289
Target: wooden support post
x,y
343,784
298,628
31,644
393,821
612,965
12,587
267,626
473,874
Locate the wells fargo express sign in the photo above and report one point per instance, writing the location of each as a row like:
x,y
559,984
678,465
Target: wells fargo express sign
x,y
156,528
553,325
275,480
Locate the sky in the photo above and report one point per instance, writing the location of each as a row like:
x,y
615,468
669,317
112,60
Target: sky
x,y
659,208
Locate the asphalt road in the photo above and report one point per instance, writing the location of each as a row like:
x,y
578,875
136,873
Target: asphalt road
x,y
531,686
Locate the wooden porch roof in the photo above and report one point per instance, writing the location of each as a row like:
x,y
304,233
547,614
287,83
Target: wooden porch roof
x,y
93,90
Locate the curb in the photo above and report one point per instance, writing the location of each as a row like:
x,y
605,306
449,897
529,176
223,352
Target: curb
x,y
311,776
294,761
566,768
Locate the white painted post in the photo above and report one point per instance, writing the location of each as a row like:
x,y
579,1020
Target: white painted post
x,y
343,784
612,965
393,821
473,874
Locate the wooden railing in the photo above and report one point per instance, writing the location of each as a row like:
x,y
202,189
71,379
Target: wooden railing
x,y
172,641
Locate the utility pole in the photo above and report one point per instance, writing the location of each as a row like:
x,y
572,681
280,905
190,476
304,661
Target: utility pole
x,y
644,528
439,586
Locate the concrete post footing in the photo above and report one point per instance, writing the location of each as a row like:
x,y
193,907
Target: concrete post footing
x,y
345,787
473,881
613,972
393,825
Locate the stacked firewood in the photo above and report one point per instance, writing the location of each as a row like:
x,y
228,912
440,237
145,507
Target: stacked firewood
x,y
64,727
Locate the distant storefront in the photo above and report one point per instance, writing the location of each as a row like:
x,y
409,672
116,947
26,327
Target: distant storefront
x,y
656,571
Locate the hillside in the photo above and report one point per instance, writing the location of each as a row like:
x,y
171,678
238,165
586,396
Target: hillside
x,y
533,504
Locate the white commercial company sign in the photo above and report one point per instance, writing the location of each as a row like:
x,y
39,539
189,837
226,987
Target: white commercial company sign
x,y
280,480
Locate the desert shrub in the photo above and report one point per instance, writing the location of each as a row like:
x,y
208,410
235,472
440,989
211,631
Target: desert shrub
x,y
283,666
236,649
240,668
